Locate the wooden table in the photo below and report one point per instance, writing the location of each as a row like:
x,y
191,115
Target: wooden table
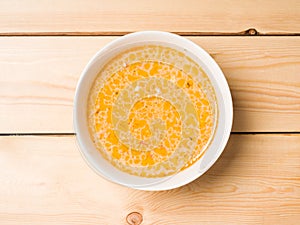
x,y
44,46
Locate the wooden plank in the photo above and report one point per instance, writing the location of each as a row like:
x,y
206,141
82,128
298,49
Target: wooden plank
x,y
39,74
44,180
115,16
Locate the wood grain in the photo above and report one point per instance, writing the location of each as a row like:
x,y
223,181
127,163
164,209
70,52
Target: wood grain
x,y
102,17
39,74
44,180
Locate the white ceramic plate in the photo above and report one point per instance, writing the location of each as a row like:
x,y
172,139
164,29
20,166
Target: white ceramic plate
x,y
223,128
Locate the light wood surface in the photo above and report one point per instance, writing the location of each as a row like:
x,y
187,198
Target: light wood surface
x,y
43,180
39,75
94,16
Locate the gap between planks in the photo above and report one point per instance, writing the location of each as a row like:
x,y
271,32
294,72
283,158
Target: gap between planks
x,y
248,32
73,134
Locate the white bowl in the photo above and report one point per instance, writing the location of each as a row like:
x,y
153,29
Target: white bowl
x,y
222,130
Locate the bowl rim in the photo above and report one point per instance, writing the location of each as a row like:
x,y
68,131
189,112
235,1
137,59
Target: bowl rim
x,y
226,95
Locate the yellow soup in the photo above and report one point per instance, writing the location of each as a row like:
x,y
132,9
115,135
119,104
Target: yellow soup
x,y
152,111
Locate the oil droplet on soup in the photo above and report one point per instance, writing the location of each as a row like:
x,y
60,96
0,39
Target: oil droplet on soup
x,y
152,111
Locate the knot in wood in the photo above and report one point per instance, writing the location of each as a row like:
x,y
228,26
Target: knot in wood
x,y
252,32
134,218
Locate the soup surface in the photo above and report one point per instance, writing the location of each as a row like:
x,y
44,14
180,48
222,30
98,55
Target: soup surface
x,y
152,111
